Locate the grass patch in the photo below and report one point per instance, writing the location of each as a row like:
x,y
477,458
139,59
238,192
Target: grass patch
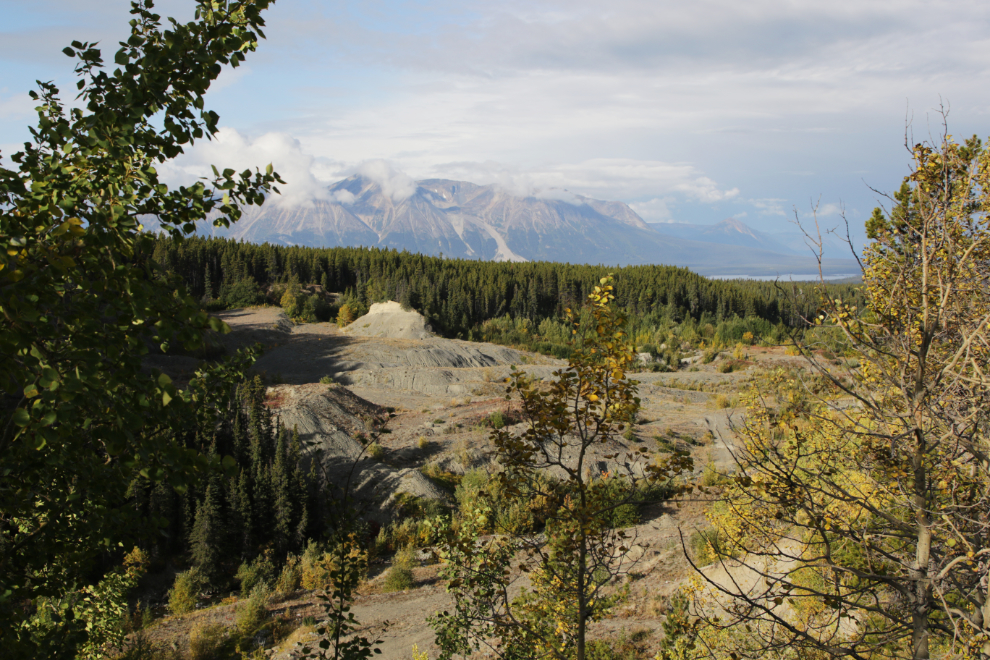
x,y
449,481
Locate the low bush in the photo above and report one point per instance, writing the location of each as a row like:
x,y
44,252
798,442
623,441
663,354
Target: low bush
x,y
376,451
253,612
259,571
314,570
664,444
398,579
290,578
708,545
497,420
184,594
710,476
206,641
446,480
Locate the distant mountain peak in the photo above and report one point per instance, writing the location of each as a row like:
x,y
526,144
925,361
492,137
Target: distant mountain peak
x,y
737,225
379,207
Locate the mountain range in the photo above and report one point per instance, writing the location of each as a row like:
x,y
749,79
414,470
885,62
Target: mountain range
x,y
466,220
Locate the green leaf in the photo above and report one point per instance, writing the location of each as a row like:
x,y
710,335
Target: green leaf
x,y
21,417
166,398
164,380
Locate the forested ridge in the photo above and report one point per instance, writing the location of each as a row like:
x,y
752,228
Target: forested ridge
x,y
459,295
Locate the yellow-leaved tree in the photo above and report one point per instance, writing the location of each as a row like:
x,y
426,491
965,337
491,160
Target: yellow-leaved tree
x,y
858,521
565,567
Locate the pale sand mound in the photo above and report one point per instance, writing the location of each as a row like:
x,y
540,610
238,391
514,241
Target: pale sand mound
x,y
388,319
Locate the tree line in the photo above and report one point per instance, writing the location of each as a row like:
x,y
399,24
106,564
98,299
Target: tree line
x,y
458,295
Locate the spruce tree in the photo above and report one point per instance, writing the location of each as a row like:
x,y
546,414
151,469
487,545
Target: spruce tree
x,y
282,496
207,537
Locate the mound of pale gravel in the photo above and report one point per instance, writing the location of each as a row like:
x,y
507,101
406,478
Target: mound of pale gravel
x,y
389,320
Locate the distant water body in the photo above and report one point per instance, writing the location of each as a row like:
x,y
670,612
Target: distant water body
x,y
791,277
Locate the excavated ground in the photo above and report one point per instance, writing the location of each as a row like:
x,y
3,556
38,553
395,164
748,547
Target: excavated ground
x,y
441,391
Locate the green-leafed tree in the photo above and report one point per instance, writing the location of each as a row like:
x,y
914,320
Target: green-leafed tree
x,y
82,300
579,551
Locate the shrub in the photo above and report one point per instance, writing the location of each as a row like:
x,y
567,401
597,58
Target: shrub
x,y
314,572
252,613
206,641
707,545
398,579
141,648
663,444
376,451
289,303
423,442
291,576
726,367
497,420
259,571
405,558
464,454
328,380
710,476
345,315
630,435
241,293
721,401
184,594
443,478
619,502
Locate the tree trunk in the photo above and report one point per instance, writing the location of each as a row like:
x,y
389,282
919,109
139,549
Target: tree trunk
x,y
922,581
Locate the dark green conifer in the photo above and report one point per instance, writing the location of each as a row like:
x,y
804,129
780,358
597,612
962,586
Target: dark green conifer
x,y
206,541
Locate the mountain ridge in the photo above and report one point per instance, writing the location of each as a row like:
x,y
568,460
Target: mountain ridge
x,y
460,219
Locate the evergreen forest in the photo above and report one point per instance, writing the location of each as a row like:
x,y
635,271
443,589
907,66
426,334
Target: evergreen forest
x,y
511,303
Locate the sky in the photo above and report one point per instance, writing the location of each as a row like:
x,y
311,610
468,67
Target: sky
x,y
688,111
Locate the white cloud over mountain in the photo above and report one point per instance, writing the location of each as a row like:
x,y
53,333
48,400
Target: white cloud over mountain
x,y
230,148
689,111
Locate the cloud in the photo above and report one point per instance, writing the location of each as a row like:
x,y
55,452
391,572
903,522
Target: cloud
x,y
395,184
825,210
769,206
559,194
229,148
343,196
653,210
601,178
